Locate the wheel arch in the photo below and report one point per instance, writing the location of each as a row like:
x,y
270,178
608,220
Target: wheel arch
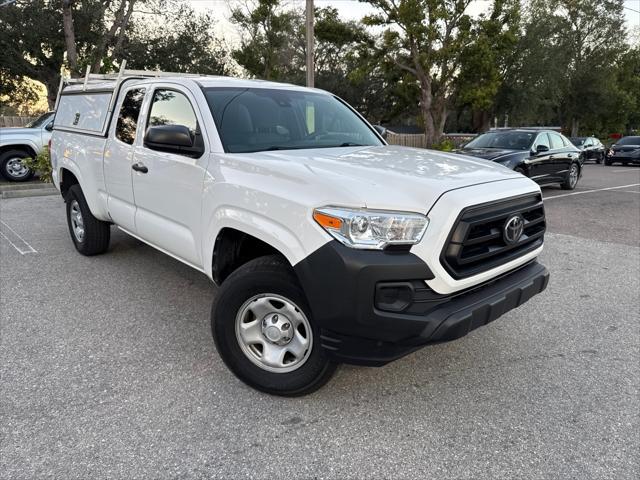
x,y
233,248
28,148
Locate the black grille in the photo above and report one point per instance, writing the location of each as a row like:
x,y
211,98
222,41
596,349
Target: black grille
x,y
477,244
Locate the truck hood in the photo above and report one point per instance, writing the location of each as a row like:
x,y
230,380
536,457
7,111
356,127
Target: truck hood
x,y
10,134
384,177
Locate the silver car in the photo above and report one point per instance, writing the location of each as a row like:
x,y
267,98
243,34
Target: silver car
x,y
17,144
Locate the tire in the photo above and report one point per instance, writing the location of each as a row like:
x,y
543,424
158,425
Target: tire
x,y
573,175
607,162
268,286
11,166
599,159
89,235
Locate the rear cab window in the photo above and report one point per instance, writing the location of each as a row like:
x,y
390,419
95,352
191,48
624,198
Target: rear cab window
x,y
128,116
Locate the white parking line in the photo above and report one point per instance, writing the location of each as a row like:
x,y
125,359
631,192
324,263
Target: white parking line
x,y
591,191
622,171
24,247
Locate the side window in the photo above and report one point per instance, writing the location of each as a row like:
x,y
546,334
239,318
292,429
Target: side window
x,y
128,117
172,108
542,139
588,142
556,141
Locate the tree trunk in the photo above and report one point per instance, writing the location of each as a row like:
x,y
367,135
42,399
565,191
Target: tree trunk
x,y
120,22
575,125
52,83
481,121
425,110
69,35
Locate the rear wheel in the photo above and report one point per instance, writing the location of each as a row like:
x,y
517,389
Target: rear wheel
x,y
90,235
572,177
264,332
12,166
599,158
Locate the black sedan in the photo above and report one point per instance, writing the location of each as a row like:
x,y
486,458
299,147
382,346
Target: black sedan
x,y
624,151
542,155
591,147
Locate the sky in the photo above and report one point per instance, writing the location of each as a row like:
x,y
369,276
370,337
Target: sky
x,y
355,10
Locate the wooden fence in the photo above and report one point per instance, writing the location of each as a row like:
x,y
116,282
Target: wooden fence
x,y
419,140
15,121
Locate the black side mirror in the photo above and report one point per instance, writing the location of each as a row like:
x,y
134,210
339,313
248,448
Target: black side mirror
x,y
49,127
172,138
381,131
542,149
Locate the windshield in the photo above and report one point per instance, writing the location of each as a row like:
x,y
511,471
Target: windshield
x,y
629,141
259,119
510,140
577,141
40,121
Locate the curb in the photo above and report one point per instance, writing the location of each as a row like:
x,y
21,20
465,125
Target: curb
x,y
28,192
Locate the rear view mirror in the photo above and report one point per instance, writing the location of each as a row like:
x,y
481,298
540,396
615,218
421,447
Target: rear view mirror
x,y
542,149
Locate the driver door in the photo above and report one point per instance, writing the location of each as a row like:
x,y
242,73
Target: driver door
x,y
167,184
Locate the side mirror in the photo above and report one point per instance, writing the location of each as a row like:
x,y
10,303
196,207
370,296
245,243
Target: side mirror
x,y
542,149
171,138
381,131
49,127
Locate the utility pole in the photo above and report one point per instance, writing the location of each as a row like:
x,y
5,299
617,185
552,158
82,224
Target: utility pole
x,y
310,66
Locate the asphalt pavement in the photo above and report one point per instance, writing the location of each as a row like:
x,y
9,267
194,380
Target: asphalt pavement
x,y
108,370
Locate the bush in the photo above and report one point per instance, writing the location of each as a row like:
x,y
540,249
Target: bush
x,y
41,164
446,145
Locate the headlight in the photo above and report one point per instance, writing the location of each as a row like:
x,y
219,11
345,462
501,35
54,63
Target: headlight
x,y
371,229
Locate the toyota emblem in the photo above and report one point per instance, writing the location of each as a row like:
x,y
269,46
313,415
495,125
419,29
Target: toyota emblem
x,y
513,228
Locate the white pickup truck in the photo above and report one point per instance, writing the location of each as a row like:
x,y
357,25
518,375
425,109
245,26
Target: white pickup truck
x,y
328,245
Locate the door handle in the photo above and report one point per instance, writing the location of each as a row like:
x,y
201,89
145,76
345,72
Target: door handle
x,y
139,167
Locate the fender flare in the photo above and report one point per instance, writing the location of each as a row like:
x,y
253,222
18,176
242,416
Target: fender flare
x,y
255,224
21,145
66,163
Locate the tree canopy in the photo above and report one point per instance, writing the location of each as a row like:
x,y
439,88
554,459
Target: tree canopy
x,y
427,63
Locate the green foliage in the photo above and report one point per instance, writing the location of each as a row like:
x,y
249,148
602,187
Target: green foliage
x,y
445,145
41,164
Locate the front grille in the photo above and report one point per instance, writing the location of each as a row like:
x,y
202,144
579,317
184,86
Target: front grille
x,y
477,243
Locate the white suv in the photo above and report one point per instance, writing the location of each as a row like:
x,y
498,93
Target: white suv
x,y
328,245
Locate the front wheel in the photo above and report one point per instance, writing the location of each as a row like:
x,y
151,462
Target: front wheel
x,y
90,235
13,168
264,331
572,177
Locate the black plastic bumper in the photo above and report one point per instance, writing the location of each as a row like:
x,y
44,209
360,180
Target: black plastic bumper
x,y
341,282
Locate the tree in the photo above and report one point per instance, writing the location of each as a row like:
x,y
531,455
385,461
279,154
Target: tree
x,y
184,42
567,54
32,46
267,32
487,61
75,34
426,41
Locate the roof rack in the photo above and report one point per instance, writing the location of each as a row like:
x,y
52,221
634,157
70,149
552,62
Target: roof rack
x,y
122,75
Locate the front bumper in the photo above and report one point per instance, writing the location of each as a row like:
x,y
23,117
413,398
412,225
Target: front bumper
x,y
340,284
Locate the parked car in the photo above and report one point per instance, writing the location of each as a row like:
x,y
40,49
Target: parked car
x,y
624,151
542,155
591,148
17,144
328,245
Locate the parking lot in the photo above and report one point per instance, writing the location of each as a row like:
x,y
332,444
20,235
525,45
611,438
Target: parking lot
x,y
108,369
